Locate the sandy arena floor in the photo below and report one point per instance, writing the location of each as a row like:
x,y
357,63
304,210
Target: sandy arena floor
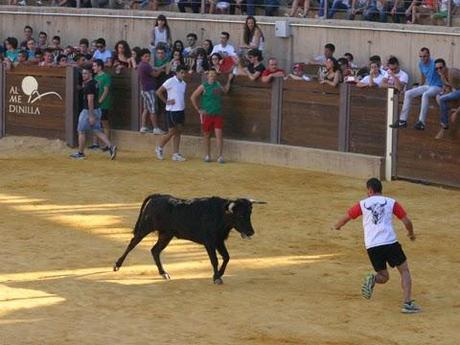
x,y
63,223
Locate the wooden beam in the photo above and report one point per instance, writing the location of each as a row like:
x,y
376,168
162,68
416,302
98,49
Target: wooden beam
x,y
135,98
344,118
71,106
276,110
2,100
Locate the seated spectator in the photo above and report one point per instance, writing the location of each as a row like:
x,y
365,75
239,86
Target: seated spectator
x,y
332,75
255,67
70,52
22,58
178,45
122,57
11,49
161,34
48,58
350,58
192,38
42,40
253,38
31,49
84,46
395,76
208,47
419,9
216,62
224,48
374,79
296,4
177,60
61,60
450,92
219,6
272,71
271,7
370,9
24,3
195,5
56,46
329,50
160,60
397,9
345,67
102,53
28,35
200,63
298,73
338,5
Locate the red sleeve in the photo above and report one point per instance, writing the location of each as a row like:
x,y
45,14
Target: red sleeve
x,y
355,211
398,211
265,73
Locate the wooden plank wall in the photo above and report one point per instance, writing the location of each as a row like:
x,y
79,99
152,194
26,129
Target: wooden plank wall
x,y
50,123
310,115
122,98
421,157
368,116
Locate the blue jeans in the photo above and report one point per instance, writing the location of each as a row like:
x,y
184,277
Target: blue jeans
x,y
426,92
370,13
336,5
443,100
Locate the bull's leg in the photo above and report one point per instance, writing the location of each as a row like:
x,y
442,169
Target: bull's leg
x,y
133,243
163,241
214,262
225,257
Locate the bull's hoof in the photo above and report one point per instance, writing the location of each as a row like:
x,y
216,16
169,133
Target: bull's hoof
x,y
166,276
218,281
116,268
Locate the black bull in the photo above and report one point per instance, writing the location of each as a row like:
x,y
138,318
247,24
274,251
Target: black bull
x,y
206,221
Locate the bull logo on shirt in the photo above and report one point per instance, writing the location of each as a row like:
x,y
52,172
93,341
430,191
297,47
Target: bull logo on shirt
x,y
377,211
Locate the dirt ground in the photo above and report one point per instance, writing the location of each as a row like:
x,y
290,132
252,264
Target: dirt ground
x,y
63,223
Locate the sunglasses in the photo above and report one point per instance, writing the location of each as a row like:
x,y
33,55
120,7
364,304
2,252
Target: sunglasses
x,y
439,68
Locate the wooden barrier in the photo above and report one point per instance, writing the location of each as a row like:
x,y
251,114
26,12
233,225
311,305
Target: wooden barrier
x,y
421,157
2,100
310,115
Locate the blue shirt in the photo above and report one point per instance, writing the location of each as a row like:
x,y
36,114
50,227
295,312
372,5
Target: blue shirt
x,y
432,77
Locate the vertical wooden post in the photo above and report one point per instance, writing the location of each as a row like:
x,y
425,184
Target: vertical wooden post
x,y
135,97
392,135
71,106
344,117
2,100
449,12
276,110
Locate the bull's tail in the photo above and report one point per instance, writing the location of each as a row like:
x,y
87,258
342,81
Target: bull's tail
x,y
138,226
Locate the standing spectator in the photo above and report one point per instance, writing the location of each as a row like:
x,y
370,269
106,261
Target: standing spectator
x,y
381,242
24,3
450,92
255,67
11,49
338,5
22,58
122,57
90,117
61,60
395,76
210,111
160,60
84,46
208,47
272,71
332,75
28,35
48,58
431,86
56,45
194,4
178,45
253,38
102,53
177,60
161,34
42,40
295,8
374,79
174,88
298,73
147,81
192,38
418,9
200,62
31,49
345,67
104,98
350,58
271,7
219,6
329,50
397,9
224,48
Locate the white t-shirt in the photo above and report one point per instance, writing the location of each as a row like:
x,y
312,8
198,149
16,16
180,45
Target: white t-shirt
x,y
377,221
176,91
378,80
401,75
228,50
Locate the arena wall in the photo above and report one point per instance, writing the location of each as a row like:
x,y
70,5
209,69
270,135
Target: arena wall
x,y
308,35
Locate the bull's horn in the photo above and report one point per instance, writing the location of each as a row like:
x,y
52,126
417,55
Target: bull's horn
x,y
257,201
230,207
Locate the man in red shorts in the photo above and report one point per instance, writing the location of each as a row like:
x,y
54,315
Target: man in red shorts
x,y
381,242
210,111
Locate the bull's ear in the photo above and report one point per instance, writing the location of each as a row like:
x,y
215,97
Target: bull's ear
x,y
257,201
229,207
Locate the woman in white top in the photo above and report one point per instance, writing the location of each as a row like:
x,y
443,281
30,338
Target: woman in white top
x,y
253,38
161,34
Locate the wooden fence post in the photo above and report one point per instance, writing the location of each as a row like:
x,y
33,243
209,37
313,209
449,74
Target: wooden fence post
x,y
391,149
276,110
71,106
344,117
2,100
135,97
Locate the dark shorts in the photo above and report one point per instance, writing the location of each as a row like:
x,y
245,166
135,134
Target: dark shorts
x,y
175,118
105,114
391,253
212,122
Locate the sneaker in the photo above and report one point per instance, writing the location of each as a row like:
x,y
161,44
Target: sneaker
x,y
178,157
419,126
399,124
158,131
22,3
220,160
145,130
113,152
368,286
93,146
207,159
442,132
159,153
105,148
78,155
410,308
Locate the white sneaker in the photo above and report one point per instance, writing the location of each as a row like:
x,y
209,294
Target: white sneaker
x,y
159,153
22,3
39,3
206,159
178,157
158,131
145,130
220,160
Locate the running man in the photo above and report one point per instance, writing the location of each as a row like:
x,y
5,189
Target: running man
x,y
210,111
174,88
90,117
381,242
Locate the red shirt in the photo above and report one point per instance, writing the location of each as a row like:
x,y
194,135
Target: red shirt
x,y
266,72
